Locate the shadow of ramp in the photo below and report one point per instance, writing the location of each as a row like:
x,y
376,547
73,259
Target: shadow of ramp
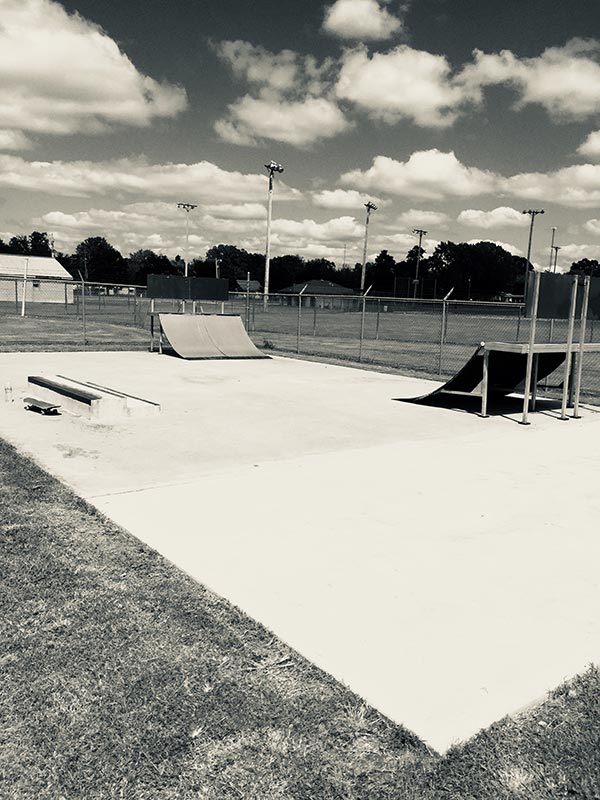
x,y
208,336
506,374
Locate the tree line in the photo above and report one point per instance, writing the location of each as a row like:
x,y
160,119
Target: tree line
x,y
482,271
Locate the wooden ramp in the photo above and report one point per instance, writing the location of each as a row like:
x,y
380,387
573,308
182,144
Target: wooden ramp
x,y
208,336
506,372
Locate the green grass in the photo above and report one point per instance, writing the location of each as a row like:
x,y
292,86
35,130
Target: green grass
x,y
123,678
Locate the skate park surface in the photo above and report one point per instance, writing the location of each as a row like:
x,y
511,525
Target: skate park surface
x,y
441,565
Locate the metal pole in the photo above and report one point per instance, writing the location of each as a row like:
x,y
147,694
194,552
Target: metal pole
x,y
314,316
532,213
442,336
565,394
584,313
362,322
299,318
377,323
24,288
83,309
268,244
247,301
370,207
552,248
416,282
529,368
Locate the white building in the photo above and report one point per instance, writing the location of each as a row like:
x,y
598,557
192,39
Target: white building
x,y
45,280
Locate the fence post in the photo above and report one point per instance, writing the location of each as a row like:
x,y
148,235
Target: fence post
x,y
377,323
314,316
66,310
299,318
519,325
442,337
362,323
83,309
247,301
23,299
16,297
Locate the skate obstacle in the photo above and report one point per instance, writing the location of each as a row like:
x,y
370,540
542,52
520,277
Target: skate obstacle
x,y
207,336
498,369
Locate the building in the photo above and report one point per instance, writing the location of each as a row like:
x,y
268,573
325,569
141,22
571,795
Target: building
x,y
254,287
45,280
321,294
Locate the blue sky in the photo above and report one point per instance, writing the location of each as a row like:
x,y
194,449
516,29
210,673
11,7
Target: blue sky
x,y
452,115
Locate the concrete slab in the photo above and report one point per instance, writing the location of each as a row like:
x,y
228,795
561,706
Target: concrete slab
x,y
443,566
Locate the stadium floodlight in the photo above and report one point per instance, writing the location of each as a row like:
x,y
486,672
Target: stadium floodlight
x,y
272,167
187,207
420,233
533,212
370,207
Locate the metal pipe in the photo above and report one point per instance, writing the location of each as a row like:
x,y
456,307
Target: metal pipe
x,y
584,313
529,368
24,287
300,317
568,359
362,323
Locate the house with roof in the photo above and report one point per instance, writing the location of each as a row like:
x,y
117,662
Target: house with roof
x,y
251,286
43,279
320,294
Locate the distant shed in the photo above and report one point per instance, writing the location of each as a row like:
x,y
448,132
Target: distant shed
x,y
321,294
47,281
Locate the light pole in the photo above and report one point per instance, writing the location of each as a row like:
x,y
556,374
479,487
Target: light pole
x,y
272,167
556,248
187,207
420,233
217,263
533,212
552,247
370,207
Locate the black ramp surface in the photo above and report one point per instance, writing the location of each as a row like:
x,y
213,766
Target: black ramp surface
x,y
506,373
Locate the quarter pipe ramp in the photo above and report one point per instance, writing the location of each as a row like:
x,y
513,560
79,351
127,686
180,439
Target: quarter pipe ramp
x,y
506,371
208,336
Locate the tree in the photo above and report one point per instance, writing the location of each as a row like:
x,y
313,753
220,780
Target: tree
x,y
146,262
585,266
19,245
381,273
482,269
40,244
99,261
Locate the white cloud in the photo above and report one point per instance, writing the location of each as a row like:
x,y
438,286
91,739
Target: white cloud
x,y
61,74
403,84
510,248
13,140
569,253
500,217
593,226
564,80
360,19
337,230
289,100
237,210
343,198
415,218
591,146
427,174
576,186
202,181
299,123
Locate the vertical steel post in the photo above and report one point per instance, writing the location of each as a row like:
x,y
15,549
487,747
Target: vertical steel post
x,y
362,323
529,368
568,359
16,297
314,316
377,322
83,312
485,382
247,301
299,318
584,313
442,336
23,299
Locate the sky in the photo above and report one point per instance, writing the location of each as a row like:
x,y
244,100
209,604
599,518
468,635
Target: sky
x,y
452,116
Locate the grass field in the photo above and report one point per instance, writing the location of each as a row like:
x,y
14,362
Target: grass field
x,y
123,678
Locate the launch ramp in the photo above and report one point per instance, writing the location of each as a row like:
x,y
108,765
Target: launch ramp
x,y
208,336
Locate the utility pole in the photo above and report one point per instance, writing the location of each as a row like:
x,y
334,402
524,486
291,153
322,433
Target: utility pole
x,y
370,207
187,207
420,233
552,247
556,248
533,212
272,167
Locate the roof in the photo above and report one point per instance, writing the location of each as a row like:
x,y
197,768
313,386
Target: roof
x,y
317,287
37,267
254,286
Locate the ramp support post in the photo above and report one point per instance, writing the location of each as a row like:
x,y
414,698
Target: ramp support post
x,y
485,383
584,313
529,368
569,358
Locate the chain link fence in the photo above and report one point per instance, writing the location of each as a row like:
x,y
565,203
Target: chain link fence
x,y
428,338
